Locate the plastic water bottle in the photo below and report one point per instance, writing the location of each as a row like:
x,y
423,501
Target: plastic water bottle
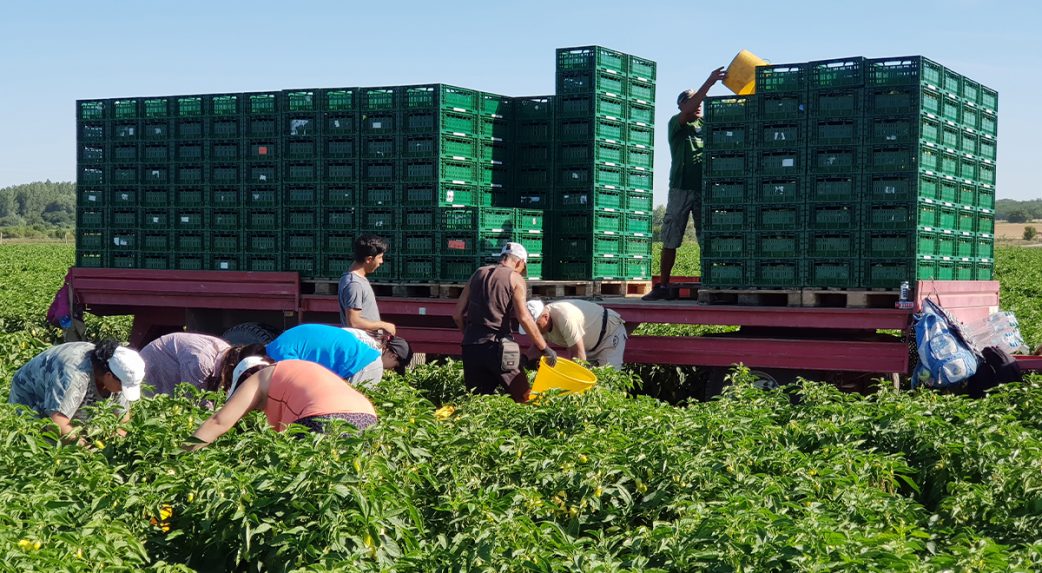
x,y
905,300
65,322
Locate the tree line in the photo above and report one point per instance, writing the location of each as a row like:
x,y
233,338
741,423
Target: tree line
x,y
1018,211
38,209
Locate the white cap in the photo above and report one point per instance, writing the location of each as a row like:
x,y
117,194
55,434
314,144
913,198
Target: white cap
x,y
516,249
128,366
241,368
535,308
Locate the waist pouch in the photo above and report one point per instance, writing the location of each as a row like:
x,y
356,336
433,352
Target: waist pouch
x,y
509,355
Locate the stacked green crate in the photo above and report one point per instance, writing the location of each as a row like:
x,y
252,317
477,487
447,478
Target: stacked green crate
x,y
891,177
929,191
602,96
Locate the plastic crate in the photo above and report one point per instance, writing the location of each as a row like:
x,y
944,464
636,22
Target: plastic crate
x,y
496,105
778,217
776,190
729,136
638,200
638,223
832,216
965,244
96,153
124,197
128,175
891,158
262,219
783,273
299,195
730,109
123,260
781,78
893,244
91,110
780,134
91,240
985,221
984,245
896,101
417,219
640,113
946,244
126,108
457,269
380,195
88,197
379,98
637,178
641,92
728,164
833,244
780,244
340,124
336,99
381,122
833,273
230,218
496,128
263,263
155,261
640,135
337,242
989,98
843,188
262,126
154,219
90,258
988,124
339,171
191,241
911,70
590,245
529,221
985,197
302,241
637,246
834,104
130,130
778,162
726,244
724,218
835,159
95,132
227,127
837,73
418,268
593,58
782,107
595,151
262,197
718,273
826,132
306,265
118,218
261,242
225,242
986,148
726,192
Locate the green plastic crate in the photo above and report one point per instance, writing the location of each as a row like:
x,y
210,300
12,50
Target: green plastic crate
x,y
781,78
726,245
729,136
779,217
724,218
836,73
730,109
778,244
832,216
836,131
337,99
837,103
717,273
783,273
598,58
845,188
782,106
833,273
832,244
912,70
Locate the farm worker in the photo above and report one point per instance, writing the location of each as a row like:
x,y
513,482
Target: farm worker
x,y
341,351
589,331
357,300
288,392
685,179
184,357
60,381
491,304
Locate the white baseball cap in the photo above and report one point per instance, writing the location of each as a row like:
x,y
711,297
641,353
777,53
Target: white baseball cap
x,y
516,249
535,308
241,368
128,366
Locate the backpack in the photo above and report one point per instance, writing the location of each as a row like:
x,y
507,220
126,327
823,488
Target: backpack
x,y
60,309
945,359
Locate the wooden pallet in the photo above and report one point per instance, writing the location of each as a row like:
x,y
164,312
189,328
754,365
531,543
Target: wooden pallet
x,y
805,297
622,288
545,289
558,289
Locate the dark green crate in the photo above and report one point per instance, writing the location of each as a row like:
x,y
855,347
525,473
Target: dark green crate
x,y
257,196
336,99
263,263
492,218
891,244
380,195
418,268
338,195
337,242
835,131
262,219
892,158
130,130
729,136
834,188
601,221
129,108
339,171
534,177
726,244
380,122
494,151
989,98
420,169
598,58
91,176
95,132
838,103
91,197
496,105
226,218
589,244
780,134
717,273
525,198
529,220
497,128
732,218
191,241
832,216
637,200
458,218
156,261
782,106
191,261
900,216
902,101
379,98
971,142
596,151
780,217
587,105
580,175
781,78
837,73
230,127
261,173
776,244
729,164
730,109
129,174
303,241
121,240
985,221
153,218
225,152
90,240
338,147
299,218
587,198
418,219
259,242
457,269
90,259
778,162
465,243
912,70
987,173
91,110
118,218
256,126
835,159
300,194
226,262
543,107
832,244
903,130
123,260
341,124
186,151
780,273
495,175
833,273
123,197
378,220
189,173
306,265
225,241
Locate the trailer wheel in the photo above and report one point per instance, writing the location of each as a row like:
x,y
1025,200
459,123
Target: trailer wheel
x,y
764,379
250,333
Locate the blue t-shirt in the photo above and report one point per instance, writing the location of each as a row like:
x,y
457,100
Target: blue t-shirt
x,y
332,347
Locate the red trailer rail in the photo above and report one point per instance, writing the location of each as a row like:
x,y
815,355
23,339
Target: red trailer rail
x,y
821,339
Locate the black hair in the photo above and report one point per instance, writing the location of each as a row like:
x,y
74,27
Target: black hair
x,y
223,380
102,353
369,246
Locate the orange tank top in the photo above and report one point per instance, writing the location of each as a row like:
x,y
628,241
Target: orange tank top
x,y
299,389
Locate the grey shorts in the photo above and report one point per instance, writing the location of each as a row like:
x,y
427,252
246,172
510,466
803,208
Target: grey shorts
x,y
681,204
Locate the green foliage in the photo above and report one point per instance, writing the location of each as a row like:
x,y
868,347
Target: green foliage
x,y
1031,209
810,480
1018,216
39,207
1030,233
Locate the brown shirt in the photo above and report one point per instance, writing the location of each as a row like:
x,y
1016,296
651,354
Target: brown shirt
x,y
490,310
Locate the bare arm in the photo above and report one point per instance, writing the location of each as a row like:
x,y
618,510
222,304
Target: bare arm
x,y
65,427
356,320
245,398
578,349
689,109
459,315
522,315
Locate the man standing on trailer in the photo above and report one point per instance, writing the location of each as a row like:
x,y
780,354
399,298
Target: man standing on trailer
x,y
685,180
491,304
588,330
357,300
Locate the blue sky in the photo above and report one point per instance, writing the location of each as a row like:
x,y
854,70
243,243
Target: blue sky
x,y
55,52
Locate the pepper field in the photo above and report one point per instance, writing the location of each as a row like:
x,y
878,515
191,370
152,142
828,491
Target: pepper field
x,y
807,479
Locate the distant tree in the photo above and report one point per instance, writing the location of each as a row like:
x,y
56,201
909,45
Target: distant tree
x,y
657,216
1029,233
1017,217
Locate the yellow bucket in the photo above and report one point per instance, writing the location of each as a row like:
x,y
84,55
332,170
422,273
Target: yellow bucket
x,y
741,73
565,375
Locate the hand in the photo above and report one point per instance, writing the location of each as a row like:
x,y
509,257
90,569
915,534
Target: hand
x,y
550,355
717,75
389,328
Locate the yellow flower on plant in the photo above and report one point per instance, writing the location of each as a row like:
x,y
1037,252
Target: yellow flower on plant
x,y
99,444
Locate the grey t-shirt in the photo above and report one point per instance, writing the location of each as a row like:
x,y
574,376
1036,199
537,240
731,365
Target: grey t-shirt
x,y
59,379
356,292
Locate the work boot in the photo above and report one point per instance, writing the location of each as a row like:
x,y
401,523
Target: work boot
x,y
661,292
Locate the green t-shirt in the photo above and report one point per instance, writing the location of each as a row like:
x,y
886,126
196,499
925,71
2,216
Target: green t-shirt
x,y
685,149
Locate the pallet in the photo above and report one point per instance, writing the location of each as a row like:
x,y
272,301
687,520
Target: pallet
x,y
544,289
622,288
805,297
559,289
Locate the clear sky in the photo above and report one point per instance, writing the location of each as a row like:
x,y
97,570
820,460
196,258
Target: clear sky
x,y
55,52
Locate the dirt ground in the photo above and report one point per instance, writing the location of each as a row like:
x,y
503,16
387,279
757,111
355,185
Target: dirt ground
x,y
1013,233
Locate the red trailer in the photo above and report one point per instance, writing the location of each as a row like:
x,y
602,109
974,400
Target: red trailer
x,y
770,338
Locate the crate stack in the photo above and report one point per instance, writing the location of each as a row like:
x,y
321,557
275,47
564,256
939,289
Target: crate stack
x,y
602,154
850,173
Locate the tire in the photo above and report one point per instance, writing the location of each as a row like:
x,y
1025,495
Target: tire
x,y
765,379
250,333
